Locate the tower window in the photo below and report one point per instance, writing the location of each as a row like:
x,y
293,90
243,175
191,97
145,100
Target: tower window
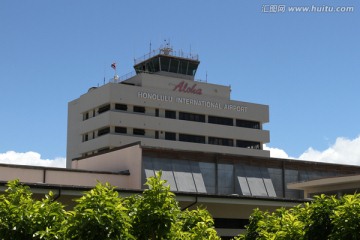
x,y
221,141
122,107
139,109
221,120
247,144
247,124
191,138
137,131
120,130
191,117
86,116
104,108
170,136
103,131
85,137
170,114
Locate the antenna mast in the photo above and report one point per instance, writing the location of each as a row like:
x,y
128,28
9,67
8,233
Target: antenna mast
x,y
116,77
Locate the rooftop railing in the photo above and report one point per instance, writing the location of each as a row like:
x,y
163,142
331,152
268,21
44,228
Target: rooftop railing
x,y
129,75
169,52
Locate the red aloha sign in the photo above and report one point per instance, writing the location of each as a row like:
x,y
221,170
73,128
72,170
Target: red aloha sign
x,y
183,87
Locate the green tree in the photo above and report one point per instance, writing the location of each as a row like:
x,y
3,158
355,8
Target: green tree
x,y
196,224
22,217
156,215
326,217
102,214
99,214
281,225
317,217
346,219
155,211
252,228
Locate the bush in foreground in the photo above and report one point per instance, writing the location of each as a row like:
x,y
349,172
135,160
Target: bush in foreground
x,y
102,214
327,217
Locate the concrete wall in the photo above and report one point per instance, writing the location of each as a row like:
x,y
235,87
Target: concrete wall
x,y
32,175
129,158
60,176
168,83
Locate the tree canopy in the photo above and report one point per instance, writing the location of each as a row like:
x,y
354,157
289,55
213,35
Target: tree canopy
x,y
102,214
155,214
324,218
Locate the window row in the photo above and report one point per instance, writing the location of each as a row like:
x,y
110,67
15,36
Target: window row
x,y
107,107
233,177
212,119
176,115
172,136
106,130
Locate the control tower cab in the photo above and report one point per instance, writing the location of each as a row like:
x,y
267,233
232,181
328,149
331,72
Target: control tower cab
x,y
165,61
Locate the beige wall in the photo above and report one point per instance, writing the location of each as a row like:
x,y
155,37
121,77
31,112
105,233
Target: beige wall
x,y
157,82
8,173
129,158
330,186
85,178
60,176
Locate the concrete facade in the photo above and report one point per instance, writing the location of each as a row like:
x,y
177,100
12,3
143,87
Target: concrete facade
x,y
63,177
331,186
168,111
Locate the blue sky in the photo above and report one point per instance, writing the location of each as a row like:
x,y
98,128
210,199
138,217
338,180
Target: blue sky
x,y
304,65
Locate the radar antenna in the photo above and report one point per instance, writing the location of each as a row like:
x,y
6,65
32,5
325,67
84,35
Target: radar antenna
x,y
167,49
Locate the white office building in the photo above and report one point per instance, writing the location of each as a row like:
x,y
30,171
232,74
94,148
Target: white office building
x,y
163,106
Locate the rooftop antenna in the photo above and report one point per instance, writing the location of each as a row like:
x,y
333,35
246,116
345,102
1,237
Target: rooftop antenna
x,y
150,47
104,74
134,54
167,49
206,77
116,77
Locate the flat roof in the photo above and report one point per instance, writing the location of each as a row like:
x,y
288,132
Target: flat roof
x,y
75,190
334,183
123,172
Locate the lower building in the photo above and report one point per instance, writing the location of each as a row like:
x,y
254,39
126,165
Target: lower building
x,y
228,186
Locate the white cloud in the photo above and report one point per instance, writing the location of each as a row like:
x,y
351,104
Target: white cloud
x,y
276,152
31,158
343,151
